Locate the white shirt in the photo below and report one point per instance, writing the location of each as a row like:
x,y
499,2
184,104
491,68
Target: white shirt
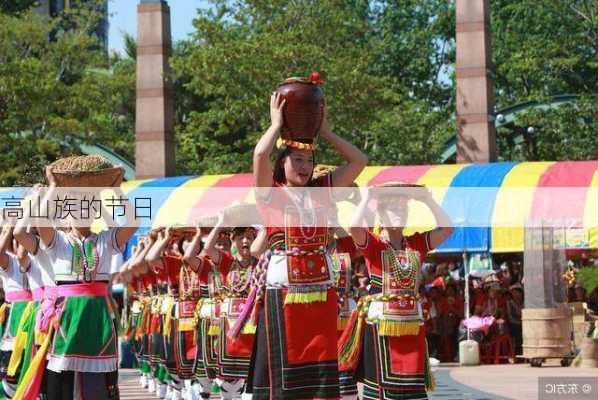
x,y
61,254
117,262
12,277
40,272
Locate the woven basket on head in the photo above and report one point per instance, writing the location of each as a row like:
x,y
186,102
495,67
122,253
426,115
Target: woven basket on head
x,y
179,232
242,214
390,190
207,222
85,171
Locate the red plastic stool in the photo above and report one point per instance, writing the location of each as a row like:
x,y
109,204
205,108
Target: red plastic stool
x,y
502,348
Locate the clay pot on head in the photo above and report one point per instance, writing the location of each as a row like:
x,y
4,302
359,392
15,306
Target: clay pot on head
x,y
304,109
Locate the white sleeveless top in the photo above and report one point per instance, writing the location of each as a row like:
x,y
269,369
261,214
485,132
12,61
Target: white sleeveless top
x,y
12,277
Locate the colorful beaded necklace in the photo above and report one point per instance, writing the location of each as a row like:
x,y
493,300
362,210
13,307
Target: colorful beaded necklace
x,y
404,275
187,282
240,276
85,258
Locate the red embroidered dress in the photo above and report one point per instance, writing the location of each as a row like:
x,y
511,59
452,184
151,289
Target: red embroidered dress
x,y
207,314
385,341
234,355
296,356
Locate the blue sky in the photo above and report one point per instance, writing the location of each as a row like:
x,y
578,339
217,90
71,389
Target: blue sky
x,y
123,18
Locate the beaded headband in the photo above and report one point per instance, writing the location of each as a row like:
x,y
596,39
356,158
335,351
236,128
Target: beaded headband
x,y
296,145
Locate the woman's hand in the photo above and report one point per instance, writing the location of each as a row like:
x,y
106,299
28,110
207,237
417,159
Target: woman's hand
x,y
50,176
420,194
277,103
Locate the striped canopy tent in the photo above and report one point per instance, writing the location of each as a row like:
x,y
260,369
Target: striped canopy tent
x,y
494,203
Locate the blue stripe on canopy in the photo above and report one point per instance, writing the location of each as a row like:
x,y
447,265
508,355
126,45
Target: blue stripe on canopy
x,y
158,199
476,205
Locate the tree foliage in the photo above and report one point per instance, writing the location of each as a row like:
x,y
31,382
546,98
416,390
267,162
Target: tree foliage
x,y
58,88
387,66
241,51
544,48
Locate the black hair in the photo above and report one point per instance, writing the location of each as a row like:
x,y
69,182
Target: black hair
x,y
278,173
240,230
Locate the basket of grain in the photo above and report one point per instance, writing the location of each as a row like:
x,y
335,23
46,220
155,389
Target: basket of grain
x,y
86,171
241,214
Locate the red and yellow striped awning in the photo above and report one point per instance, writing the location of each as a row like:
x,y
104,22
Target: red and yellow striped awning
x,y
501,209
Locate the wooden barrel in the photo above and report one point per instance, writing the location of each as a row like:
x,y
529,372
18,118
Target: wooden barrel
x,y
546,332
589,353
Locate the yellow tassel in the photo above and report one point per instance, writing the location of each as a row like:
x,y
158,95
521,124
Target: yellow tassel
x,y
20,341
214,330
431,386
35,367
167,307
249,329
40,337
306,298
3,312
187,324
341,323
398,328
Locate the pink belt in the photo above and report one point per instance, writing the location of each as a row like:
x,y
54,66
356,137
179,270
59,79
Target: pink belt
x,y
48,307
18,295
95,289
38,294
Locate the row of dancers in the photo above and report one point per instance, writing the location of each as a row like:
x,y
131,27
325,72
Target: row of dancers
x,y
266,313
274,313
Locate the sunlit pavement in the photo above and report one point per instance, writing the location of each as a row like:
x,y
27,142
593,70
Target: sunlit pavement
x,y
485,382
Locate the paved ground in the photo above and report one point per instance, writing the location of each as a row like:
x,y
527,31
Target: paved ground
x,y
486,382
519,381
449,389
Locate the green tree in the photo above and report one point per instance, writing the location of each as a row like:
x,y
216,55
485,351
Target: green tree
x,y
241,52
57,93
543,48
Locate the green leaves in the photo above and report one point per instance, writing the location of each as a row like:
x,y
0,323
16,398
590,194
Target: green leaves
x,y
58,88
387,66
242,51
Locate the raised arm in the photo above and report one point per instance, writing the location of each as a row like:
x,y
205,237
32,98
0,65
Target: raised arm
x,y
23,229
153,257
210,249
125,232
344,175
358,224
23,259
262,167
259,245
443,221
138,264
191,256
46,233
5,242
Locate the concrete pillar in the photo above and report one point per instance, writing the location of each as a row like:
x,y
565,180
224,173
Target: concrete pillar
x,y
154,121
476,136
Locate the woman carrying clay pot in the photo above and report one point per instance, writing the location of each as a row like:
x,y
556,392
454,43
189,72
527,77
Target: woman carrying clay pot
x,y
295,355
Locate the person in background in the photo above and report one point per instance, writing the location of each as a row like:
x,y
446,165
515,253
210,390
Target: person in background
x,y
451,313
514,307
516,272
434,304
579,294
